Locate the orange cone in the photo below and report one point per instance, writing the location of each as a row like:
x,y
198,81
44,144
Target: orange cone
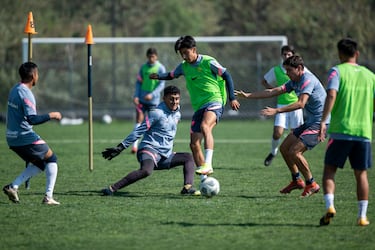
x,y
30,25
89,39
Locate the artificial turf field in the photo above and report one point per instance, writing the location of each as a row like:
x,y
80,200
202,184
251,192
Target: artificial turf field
x,y
249,212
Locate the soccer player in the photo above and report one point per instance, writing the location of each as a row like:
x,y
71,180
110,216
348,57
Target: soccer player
x,y
350,101
21,138
311,96
208,83
155,150
277,75
147,91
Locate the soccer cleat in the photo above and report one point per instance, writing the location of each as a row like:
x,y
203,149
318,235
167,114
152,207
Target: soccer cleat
x,y
363,222
190,191
12,193
205,169
107,191
326,219
268,159
297,184
311,189
49,201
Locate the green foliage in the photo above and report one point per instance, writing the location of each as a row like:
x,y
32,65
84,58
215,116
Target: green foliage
x,y
249,212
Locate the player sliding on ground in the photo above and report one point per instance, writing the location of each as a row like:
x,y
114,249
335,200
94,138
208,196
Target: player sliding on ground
x,y
155,150
311,97
208,83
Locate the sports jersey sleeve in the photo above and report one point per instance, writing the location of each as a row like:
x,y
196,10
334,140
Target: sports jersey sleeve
x,y
139,131
287,87
333,79
176,73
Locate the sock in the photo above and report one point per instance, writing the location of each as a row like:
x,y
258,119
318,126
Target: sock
x,y
51,175
275,146
329,198
309,182
362,208
209,153
296,176
29,172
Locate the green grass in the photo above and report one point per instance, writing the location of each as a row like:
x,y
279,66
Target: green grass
x,y
249,212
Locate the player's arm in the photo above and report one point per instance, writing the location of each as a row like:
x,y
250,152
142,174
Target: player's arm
x,y
39,119
300,104
230,90
267,93
168,75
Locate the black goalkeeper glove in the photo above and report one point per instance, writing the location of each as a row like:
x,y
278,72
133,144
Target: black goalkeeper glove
x,y
110,153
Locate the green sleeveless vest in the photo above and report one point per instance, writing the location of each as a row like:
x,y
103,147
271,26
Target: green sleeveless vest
x,y
352,112
282,78
203,85
149,84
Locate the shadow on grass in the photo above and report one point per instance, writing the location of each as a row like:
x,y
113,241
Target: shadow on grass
x,y
250,224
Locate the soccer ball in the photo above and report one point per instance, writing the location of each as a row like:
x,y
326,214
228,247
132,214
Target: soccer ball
x,y
209,187
107,119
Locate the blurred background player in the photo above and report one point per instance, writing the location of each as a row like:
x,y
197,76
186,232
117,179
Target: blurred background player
x,y
22,139
147,91
311,96
155,150
277,76
208,84
350,101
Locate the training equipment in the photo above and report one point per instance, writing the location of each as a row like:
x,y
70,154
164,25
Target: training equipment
x,y
209,187
107,119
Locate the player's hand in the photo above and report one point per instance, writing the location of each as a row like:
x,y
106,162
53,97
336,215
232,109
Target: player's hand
x,y
110,153
154,76
55,115
241,93
322,132
235,105
268,111
148,97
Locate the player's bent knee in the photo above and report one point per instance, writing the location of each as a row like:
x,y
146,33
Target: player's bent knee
x,y
52,158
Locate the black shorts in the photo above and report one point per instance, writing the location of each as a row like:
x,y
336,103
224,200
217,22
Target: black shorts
x,y
358,152
33,153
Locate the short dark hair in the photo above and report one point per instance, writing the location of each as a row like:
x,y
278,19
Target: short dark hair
x,y
287,48
294,61
170,90
26,71
347,46
184,42
151,51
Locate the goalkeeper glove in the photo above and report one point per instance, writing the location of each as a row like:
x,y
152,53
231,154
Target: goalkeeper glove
x,y
110,153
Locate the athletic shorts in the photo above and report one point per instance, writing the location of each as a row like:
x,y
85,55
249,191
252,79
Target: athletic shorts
x,y
144,107
196,121
358,152
159,161
289,120
308,134
33,153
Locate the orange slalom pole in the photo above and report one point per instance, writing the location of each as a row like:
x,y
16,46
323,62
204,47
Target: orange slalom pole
x,y
89,41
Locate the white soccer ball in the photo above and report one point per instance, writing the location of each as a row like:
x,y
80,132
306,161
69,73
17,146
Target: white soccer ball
x,y
209,187
107,119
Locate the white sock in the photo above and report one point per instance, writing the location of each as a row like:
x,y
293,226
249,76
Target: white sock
x,y
51,175
29,172
275,146
209,153
362,208
329,198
